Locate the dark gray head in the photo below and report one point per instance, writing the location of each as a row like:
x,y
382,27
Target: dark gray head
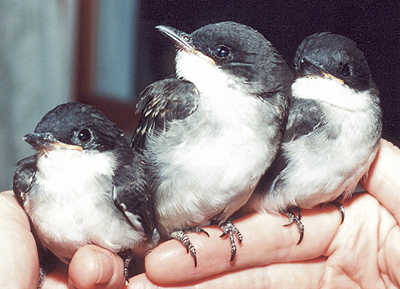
x,y
238,50
78,126
335,55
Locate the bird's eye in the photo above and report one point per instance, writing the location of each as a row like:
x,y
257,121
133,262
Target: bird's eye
x,y
84,135
221,51
345,70
186,38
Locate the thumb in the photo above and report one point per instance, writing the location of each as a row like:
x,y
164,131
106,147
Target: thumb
x,y
92,266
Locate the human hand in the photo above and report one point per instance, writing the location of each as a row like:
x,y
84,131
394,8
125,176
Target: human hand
x,y
362,252
19,266
383,181
93,267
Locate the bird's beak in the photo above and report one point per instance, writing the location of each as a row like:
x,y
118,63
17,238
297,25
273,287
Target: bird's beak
x,y
44,142
308,68
182,41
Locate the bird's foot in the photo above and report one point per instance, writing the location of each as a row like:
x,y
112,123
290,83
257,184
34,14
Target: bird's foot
x,y
293,218
127,261
198,230
339,206
229,228
127,256
42,276
181,236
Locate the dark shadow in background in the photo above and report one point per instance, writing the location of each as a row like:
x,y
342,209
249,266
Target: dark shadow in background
x,y
374,25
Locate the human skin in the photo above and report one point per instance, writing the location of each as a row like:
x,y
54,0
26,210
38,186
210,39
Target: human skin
x,y
362,252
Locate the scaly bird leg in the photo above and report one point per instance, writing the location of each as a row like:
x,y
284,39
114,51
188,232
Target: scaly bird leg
x,y
229,228
293,218
181,236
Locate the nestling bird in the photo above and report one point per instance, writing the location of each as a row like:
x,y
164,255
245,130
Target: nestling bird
x,y
85,185
209,135
333,130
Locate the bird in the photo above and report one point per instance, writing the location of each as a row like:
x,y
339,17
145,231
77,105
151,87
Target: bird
x,y
332,134
85,185
209,133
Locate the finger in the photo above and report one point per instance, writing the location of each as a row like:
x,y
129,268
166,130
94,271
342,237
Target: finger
x,y
265,241
92,266
383,180
19,264
283,275
390,263
352,255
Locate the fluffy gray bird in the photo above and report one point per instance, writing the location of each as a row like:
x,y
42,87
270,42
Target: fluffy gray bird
x,y
85,185
209,135
333,130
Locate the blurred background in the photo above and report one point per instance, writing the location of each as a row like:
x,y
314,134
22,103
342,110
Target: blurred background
x,y
105,52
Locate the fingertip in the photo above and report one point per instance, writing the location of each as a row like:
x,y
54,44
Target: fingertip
x,y
169,263
161,259
92,266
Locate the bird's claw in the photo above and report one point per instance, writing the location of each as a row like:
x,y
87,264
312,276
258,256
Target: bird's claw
x,y
127,256
198,230
293,218
184,239
339,205
229,228
289,213
127,261
42,276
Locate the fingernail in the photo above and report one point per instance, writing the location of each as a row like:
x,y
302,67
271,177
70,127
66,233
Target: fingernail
x,y
106,268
